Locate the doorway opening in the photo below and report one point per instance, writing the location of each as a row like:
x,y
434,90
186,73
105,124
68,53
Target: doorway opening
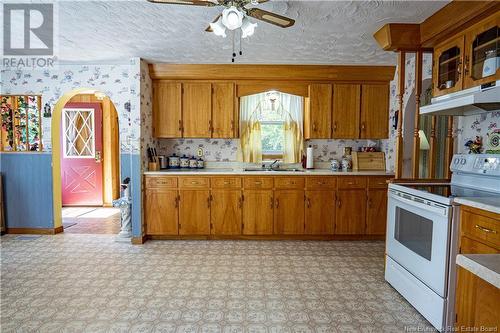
x,y
89,164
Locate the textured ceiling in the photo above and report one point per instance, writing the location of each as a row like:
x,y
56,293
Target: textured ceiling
x,y
328,32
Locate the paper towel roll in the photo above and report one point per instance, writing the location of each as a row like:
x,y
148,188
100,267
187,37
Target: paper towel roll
x,y
309,158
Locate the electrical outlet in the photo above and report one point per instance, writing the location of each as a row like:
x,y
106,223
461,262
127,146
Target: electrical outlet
x,y
200,152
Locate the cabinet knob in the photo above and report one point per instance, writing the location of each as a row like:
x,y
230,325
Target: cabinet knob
x,y
272,203
277,203
339,203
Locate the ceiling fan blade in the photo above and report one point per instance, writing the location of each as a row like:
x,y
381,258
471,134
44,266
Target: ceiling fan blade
x,y
205,3
269,17
209,28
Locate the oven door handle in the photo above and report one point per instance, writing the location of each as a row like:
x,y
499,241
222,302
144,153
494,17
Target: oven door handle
x,y
420,203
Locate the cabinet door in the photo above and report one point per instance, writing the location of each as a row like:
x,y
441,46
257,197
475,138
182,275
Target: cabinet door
x,y
161,212
197,110
346,111
258,210
376,212
374,111
225,213
289,212
223,110
194,213
351,212
318,112
448,67
320,212
482,44
167,112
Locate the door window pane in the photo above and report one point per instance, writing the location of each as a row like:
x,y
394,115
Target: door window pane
x,y
79,133
414,232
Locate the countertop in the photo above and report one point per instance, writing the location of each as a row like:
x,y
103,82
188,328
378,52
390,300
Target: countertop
x,y
240,172
485,266
490,204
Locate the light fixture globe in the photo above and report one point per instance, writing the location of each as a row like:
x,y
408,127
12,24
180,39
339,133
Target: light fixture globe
x,y
218,28
232,18
247,28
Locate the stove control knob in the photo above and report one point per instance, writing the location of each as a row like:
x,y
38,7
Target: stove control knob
x,y
456,161
463,161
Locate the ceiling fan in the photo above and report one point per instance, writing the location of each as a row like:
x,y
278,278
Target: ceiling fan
x,y
235,15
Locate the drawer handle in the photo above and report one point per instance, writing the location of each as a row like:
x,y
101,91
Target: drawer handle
x,y
350,183
258,182
272,203
194,182
487,230
321,183
162,182
226,182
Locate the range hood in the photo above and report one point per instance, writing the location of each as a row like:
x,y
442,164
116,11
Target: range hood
x,y
466,102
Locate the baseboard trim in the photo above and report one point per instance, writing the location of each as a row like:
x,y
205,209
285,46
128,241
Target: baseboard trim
x,y
35,231
139,240
266,237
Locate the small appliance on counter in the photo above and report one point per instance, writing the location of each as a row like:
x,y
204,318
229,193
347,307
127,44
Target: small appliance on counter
x,y
174,162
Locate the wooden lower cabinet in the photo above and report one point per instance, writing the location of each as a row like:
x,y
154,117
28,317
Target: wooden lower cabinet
x,y
319,212
161,212
477,304
194,212
376,212
258,212
225,212
289,212
350,212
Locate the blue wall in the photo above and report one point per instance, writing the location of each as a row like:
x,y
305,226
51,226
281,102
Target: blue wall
x,y
27,182
28,195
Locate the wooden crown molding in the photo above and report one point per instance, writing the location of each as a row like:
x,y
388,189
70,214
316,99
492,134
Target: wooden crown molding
x,y
270,72
449,20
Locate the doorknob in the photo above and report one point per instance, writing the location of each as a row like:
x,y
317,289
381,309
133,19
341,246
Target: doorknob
x,y
97,156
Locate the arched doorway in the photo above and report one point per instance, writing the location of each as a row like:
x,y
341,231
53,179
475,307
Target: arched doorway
x,y
84,137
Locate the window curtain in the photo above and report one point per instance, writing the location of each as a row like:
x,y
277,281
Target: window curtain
x,y
250,129
293,143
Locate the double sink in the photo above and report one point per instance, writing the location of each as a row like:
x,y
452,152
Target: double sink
x,y
272,170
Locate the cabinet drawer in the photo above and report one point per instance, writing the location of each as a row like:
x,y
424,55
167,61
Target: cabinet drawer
x,y
377,182
226,182
154,182
348,182
194,182
481,228
258,182
470,246
321,182
289,182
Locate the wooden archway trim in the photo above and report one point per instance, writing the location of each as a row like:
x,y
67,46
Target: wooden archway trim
x,y
299,89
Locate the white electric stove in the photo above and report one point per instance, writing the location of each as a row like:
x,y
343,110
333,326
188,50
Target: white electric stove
x,y
422,234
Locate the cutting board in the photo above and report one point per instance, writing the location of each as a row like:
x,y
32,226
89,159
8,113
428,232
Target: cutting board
x,y
374,161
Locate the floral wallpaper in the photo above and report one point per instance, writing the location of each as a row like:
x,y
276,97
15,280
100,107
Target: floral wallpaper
x,y
146,102
120,82
477,125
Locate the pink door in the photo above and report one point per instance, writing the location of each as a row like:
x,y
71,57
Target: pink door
x,y
81,147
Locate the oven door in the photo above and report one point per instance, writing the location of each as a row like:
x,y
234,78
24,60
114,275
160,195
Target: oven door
x,y
418,236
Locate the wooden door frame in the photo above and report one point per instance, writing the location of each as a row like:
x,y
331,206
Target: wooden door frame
x,y
56,150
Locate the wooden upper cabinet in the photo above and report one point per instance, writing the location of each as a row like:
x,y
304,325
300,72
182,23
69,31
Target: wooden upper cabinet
x,y
482,43
374,111
448,66
225,212
223,110
318,112
167,109
346,111
197,110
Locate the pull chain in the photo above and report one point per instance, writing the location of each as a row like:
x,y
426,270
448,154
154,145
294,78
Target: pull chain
x,y
234,53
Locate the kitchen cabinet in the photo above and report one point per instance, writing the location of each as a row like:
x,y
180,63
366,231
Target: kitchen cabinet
x,y
161,211
197,110
350,212
223,110
482,47
319,212
167,109
476,303
346,111
258,212
318,112
479,231
289,212
376,211
194,212
225,213
448,66
374,111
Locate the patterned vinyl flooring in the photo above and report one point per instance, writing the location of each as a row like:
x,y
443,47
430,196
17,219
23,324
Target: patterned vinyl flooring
x,y
89,283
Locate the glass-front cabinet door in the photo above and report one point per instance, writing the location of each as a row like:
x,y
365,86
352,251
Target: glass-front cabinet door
x,y
482,60
448,67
